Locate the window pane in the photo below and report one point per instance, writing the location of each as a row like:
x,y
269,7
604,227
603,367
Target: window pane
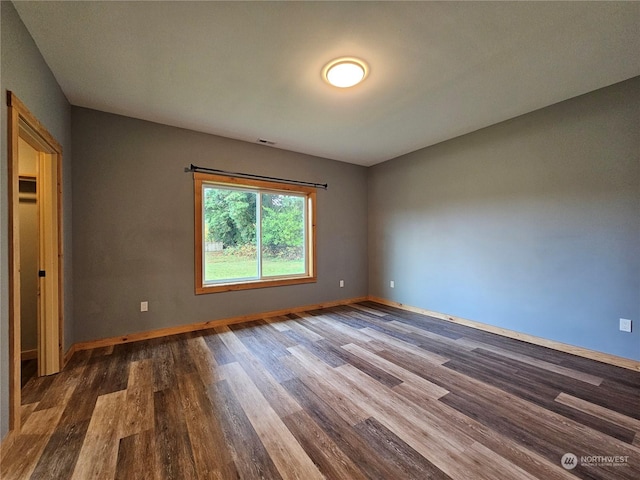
x,y
283,234
229,236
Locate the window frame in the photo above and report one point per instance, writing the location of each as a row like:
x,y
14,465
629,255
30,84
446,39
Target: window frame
x,y
259,186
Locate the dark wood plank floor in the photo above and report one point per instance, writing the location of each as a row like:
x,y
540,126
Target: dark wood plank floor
x,y
357,392
29,369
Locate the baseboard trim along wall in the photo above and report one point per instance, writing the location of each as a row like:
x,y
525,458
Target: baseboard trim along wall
x,y
164,332
562,347
193,327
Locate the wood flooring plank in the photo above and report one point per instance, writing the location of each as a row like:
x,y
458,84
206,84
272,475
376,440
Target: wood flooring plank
x,y
541,388
325,383
379,374
61,453
339,333
271,339
204,359
20,459
138,414
426,388
503,376
351,320
212,460
349,312
430,436
614,373
78,360
506,447
545,422
307,317
544,433
301,329
134,452
428,324
221,352
551,367
289,457
279,323
330,460
164,371
291,326
183,361
82,400
430,335
230,340
173,453
326,351
61,390
35,389
403,418
616,396
113,376
270,388
598,411
355,392
43,422
364,456
271,358
372,311
259,330
250,457
409,463
99,453
391,342
26,410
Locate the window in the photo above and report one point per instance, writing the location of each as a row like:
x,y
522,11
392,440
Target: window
x,y
252,233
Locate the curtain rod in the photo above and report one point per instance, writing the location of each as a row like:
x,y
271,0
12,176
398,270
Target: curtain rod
x,y
194,168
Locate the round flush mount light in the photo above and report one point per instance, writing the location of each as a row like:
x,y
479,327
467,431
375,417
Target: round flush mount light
x,y
345,72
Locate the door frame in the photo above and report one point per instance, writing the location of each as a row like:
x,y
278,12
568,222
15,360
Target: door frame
x,y
23,124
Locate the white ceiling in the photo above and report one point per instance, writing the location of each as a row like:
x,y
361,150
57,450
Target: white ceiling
x,y
250,70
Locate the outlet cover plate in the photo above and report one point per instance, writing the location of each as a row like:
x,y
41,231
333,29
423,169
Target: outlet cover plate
x,y
144,306
625,325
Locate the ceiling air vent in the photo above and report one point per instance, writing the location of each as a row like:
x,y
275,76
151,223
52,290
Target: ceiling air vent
x,y
265,142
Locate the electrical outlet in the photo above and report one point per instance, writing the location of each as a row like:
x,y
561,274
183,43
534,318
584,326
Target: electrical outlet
x,y
144,306
341,283
625,325
392,284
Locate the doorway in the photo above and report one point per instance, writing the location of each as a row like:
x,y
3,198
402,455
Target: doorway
x,y
29,215
35,250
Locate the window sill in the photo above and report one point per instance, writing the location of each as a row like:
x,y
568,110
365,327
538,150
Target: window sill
x,y
229,287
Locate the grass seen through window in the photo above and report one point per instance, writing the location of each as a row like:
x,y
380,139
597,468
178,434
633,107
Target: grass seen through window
x,y
219,267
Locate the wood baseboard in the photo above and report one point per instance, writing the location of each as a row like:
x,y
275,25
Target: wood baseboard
x,y
68,355
29,354
193,327
562,347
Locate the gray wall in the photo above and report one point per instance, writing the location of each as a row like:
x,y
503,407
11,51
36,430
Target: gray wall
x,y
532,224
24,71
134,234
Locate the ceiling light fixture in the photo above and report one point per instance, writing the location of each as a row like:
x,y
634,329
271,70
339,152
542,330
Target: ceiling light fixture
x,y
345,72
